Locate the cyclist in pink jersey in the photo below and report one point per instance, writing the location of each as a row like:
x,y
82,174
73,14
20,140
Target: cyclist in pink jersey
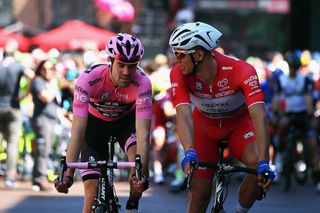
x,y
112,101
228,104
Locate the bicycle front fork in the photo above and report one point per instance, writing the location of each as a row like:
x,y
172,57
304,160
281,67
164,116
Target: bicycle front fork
x,y
218,203
106,200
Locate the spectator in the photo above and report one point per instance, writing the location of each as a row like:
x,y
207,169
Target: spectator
x,y
45,94
11,72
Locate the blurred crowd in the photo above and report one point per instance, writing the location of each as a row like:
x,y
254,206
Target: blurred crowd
x,y
166,149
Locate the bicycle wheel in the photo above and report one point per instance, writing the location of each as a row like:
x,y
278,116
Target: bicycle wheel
x,y
300,166
287,170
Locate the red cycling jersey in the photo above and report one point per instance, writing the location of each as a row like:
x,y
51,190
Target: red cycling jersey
x,y
221,108
235,87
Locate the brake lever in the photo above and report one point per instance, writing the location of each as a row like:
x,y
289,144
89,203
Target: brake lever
x,y
191,173
63,169
138,166
262,194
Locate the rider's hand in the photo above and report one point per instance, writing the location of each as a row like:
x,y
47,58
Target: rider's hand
x,y
65,185
190,154
138,186
264,168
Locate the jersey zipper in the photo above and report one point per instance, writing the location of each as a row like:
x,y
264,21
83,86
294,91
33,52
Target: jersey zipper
x,y
210,87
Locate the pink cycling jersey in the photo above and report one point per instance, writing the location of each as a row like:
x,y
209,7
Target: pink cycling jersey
x,y
95,93
235,87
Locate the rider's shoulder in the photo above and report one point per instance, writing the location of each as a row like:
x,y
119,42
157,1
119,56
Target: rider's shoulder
x,y
96,67
141,76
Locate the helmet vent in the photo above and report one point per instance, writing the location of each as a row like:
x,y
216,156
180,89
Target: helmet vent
x,y
120,49
128,46
135,51
182,32
202,39
185,42
111,50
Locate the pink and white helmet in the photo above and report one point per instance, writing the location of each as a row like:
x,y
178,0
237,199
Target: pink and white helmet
x,y
125,48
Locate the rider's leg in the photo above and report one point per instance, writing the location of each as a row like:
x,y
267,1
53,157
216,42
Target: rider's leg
x,y
199,196
248,189
242,144
90,192
282,128
159,139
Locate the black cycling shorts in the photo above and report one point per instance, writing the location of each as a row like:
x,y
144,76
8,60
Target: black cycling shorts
x,y
99,133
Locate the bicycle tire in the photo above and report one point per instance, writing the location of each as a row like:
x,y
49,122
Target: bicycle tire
x,y
301,177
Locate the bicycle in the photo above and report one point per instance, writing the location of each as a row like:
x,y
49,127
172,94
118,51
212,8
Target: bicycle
x,y
223,170
296,155
106,200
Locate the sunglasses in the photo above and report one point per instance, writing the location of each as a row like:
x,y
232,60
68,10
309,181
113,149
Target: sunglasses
x,y
179,54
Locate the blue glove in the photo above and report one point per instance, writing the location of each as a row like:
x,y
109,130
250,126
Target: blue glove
x,y
263,166
189,155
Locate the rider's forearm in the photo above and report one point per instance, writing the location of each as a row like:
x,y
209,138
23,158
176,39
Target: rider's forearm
x,y
185,126
73,152
76,140
143,143
263,138
260,122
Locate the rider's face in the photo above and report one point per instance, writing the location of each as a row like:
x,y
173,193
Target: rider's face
x,y
122,74
183,58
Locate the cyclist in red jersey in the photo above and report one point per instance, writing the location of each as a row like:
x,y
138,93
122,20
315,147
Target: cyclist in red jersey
x,y
217,97
112,101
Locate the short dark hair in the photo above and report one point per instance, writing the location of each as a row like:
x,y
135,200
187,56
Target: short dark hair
x,y
39,67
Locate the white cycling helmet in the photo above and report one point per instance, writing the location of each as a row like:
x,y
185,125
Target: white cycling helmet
x,y
190,35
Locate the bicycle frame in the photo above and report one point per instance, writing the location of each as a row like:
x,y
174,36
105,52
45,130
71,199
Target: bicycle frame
x,y
222,170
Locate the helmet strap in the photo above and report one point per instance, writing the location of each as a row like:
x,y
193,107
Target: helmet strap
x,y
196,63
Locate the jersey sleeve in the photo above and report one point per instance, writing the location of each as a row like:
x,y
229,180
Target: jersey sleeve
x,y
179,90
81,95
250,83
144,99
309,86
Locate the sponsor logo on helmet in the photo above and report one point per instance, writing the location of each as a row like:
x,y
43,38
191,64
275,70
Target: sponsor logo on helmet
x,y
187,35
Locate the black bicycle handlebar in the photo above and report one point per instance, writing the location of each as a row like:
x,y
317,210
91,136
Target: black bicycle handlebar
x,y
224,169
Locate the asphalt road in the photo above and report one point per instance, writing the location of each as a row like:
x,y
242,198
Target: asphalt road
x,y
157,199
